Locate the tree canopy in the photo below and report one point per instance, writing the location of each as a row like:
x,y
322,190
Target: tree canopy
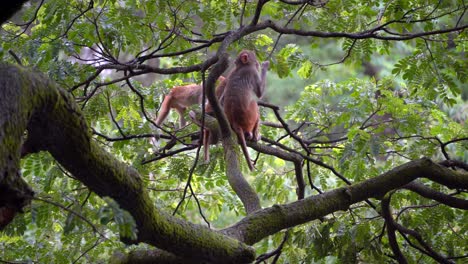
x,y
363,154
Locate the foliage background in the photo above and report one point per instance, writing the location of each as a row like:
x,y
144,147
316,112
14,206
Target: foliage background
x,y
420,83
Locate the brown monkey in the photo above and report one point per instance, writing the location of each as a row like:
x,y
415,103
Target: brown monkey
x,y
179,98
240,104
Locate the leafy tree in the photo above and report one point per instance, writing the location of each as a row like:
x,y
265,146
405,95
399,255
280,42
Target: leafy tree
x,y
363,156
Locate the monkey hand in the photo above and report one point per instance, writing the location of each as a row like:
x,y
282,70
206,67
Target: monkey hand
x,y
265,65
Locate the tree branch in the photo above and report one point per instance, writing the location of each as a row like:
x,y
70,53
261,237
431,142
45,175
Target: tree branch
x,y
279,217
437,196
391,230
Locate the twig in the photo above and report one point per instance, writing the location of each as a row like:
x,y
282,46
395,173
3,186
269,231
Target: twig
x,y
276,253
17,59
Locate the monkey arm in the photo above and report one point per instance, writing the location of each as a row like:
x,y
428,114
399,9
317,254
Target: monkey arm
x,y
260,91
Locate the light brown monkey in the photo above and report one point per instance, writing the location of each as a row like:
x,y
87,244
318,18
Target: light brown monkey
x,y
180,98
240,104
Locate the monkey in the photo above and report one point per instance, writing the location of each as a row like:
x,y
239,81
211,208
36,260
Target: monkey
x,y
179,98
240,105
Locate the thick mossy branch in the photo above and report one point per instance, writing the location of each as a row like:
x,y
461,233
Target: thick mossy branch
x,y
16,109
56,124
271,220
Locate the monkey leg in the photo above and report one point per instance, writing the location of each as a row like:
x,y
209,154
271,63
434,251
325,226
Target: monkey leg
x,y
256,130
164,111
240,135
181,112
210,135
251,122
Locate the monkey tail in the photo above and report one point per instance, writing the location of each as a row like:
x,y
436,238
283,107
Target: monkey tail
x,y
164,110
244,149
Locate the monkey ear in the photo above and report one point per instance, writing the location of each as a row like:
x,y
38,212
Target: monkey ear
x,y
244,57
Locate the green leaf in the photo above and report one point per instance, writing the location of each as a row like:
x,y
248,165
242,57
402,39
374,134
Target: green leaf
x,y
305,70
